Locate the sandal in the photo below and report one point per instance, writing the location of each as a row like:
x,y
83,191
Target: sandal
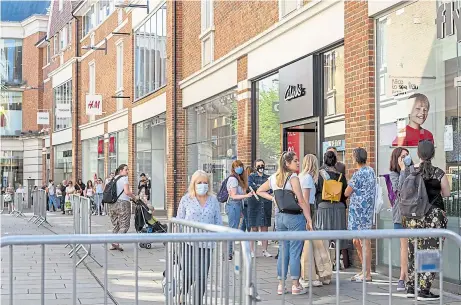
x,y
355,277
360,279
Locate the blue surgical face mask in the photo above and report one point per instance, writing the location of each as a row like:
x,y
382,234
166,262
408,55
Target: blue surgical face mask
x,y
239,170
201,189
407,160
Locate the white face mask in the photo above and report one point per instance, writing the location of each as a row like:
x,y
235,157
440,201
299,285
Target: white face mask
x,y
201,189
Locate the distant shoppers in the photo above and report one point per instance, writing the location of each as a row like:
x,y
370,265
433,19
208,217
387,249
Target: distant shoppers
x,y
361,189
53,204
120,212
199,205
99,190
437,187
236,187
244,225
89,193
331,212
9,197
400,158
259,211
144,184
80,188
63,196
340,167
294,215
70,190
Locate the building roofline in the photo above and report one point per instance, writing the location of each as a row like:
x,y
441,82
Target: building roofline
x,y
39,43
49,18
32,18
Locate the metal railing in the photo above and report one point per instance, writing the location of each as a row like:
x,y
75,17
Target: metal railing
x,y
200,272
81,212
39,207
246,292
18,205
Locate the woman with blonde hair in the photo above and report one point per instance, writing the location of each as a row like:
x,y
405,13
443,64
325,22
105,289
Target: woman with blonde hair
x,y
200,205
294,215
237,185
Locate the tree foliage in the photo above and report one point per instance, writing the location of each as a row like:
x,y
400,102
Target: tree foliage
x,y
269,123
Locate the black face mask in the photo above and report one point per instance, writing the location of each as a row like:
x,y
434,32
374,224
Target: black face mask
x,y
260,169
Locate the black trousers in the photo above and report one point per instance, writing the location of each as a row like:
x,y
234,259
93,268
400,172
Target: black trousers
x,y
195,266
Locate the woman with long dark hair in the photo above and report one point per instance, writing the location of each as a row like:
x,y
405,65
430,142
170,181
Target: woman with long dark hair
x,y
237,184
437,187
288,220
399,158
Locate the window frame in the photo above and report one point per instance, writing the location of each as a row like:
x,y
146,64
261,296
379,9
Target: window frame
x,y
282,8
119,65
63,100
48,54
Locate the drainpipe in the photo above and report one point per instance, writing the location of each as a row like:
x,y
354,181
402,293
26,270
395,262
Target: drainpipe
x,y
77,64
175,144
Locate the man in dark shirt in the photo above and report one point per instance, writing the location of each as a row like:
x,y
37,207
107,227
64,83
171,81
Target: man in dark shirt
x,y
144,183
63,196
340,167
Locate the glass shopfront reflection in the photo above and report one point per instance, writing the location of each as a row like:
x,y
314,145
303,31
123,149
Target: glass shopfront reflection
x,y
407,75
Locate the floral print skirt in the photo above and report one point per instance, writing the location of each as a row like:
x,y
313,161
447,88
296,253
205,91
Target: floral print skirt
x,y
436,218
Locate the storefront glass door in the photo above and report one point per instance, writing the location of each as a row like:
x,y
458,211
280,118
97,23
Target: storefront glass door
x,y
302,139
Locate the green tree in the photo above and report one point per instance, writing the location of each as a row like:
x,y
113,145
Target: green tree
x,y
269,122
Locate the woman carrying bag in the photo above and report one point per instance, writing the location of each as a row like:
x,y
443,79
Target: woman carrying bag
x,y
294,215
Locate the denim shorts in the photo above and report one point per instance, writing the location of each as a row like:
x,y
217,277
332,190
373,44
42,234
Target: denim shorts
x,y
398,226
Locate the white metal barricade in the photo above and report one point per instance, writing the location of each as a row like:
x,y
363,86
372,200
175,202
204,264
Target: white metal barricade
x,y
39,207
18,205
81,208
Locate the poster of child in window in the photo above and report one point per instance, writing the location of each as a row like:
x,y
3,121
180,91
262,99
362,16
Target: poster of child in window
x,y
414,131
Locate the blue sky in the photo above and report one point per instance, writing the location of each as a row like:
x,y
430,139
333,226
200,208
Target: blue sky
x,y
19,10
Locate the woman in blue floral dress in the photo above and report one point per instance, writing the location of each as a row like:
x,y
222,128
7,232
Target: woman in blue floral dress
x,y
361,190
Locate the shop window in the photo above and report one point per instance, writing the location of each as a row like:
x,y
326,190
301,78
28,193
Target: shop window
x,y
118,149
150,54
288,6
10,113
11,61
268,142
211,142
62,96
11,168
418,101
63,162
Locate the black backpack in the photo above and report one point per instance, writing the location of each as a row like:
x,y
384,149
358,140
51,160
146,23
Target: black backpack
x,y
223,194
110,191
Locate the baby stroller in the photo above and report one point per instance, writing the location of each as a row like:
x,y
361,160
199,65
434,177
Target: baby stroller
x,y
144,222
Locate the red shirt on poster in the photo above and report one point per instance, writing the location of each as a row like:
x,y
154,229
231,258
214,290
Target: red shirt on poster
x,y
410,136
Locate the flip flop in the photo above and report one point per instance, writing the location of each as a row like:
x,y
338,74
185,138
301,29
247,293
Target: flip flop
x,y
355,277
360,280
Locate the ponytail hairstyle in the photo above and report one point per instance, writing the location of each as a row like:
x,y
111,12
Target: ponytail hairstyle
x,y
426,152
311,167
282,171
119,169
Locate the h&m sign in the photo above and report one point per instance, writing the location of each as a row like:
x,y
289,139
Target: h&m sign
x,y
448,19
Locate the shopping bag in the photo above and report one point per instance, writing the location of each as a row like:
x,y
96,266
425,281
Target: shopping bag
x,y
322,259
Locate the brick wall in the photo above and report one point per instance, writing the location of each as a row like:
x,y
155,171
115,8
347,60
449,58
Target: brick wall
x,y
360,84
179,136
243,112
32,74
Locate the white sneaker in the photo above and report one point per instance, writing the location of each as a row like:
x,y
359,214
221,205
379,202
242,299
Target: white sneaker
x,y
315,283
252,255
266,254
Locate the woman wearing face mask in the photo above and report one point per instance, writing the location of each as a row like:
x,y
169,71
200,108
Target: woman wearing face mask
x,y
400,159
236,187
259,211
200,205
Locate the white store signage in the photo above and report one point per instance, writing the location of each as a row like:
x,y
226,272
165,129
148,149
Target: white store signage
x,y
43,118
93,104
63,111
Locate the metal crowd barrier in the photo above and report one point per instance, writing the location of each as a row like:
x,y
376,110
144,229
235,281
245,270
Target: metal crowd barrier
x,y
200,272
81,211
246,292
39,207
18,205
3,205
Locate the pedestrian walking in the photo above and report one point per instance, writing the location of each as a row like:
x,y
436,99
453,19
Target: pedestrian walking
x,y
437,187
294,215
9,197
89,193
120,211
400,158
361,189
259,209
53,204
63,196
237,183
198,205
99,190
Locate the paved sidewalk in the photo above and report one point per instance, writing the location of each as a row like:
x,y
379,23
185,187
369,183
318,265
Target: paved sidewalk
x,y
90,277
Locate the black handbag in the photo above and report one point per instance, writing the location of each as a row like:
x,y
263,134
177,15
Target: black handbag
x,y
286,200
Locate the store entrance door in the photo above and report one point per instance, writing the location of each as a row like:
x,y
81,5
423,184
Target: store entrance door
x,y
303,138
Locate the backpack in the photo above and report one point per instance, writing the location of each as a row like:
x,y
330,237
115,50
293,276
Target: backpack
x,y
332,189
110,191
414,202
223,194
